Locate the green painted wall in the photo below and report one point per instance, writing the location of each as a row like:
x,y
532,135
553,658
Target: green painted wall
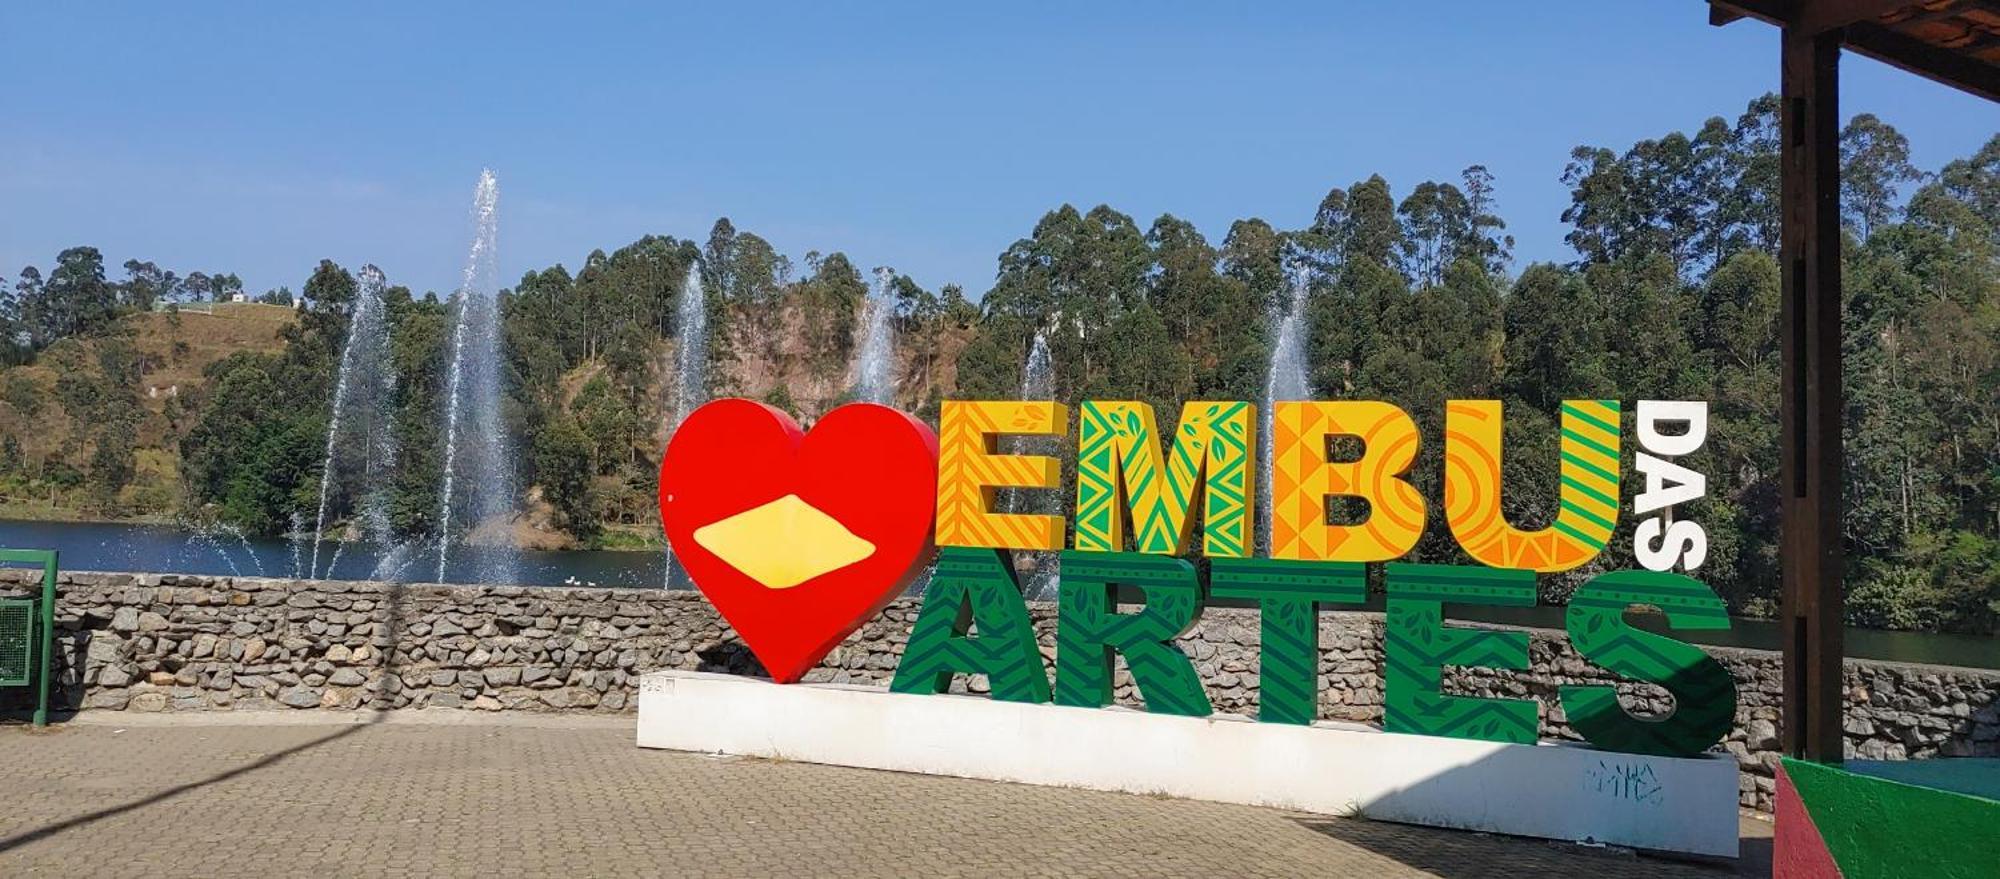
x,y
1878,827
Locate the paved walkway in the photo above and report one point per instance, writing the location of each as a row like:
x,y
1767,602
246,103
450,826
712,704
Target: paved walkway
x,y
251,796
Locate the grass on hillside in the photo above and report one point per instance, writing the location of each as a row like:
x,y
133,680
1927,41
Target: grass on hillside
x,y
628,537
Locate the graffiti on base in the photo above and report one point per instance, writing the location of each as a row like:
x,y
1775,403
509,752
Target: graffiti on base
x,y
1625,781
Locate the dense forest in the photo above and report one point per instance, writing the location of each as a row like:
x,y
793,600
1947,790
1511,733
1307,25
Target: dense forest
x,y
1413,297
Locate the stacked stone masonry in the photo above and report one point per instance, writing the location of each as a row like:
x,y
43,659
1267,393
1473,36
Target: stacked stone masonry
x,y
162,642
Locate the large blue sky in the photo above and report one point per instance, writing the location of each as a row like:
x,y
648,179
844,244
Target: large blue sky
x,y
262,137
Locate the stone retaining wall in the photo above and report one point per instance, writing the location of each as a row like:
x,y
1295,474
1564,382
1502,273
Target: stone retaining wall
x,y
154,642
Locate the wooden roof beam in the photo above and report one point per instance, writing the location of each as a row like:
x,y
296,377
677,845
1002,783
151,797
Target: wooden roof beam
x,y
1814,16
1721,12
1955,69
1923,59
1923,14
1973,39
1820,16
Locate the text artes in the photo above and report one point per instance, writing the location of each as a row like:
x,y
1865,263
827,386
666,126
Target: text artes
x,y
797,544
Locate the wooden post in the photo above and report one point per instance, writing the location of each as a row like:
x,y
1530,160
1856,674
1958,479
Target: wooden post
x,y
1811,458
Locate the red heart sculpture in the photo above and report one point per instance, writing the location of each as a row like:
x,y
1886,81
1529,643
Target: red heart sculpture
x,y
819,529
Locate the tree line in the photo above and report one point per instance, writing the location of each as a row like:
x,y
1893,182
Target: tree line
x,y
1673,294
1410,297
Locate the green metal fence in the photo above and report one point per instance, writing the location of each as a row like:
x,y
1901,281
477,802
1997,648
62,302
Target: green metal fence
x,y
28,629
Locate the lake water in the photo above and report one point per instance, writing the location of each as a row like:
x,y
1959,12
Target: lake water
x,y
91,546
161,549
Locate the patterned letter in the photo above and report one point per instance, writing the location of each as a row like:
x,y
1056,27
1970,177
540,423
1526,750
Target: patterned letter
x,y
1302,478
1089,630
1704,693
1419,646
1288,595
1589,487
970,468
1118,471
973,587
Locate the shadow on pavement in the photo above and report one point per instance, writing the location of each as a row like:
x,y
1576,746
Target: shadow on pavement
x,y
1476,854
385,639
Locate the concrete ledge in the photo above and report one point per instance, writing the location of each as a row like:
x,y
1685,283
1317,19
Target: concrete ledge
x,y
1555,791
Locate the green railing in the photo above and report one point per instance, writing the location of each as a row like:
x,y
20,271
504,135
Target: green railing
x,y
28,629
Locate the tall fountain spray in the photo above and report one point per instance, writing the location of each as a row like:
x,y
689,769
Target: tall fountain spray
x,y
1038,383
360,444
476,450
691,350
876,382
1287,380
690,363
298,540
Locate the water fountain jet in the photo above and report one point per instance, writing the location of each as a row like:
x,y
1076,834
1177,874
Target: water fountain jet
x,y
1287,380
359,422
1038,383
690,365
877,358
691,346
476,449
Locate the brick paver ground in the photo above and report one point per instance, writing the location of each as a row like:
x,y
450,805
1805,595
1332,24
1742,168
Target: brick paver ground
x,y
574,797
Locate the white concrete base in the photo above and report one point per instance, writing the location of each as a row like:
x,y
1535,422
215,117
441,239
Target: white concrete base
x,y
1550,790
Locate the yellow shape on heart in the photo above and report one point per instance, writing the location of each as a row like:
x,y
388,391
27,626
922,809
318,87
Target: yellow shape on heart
x,y
783,543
